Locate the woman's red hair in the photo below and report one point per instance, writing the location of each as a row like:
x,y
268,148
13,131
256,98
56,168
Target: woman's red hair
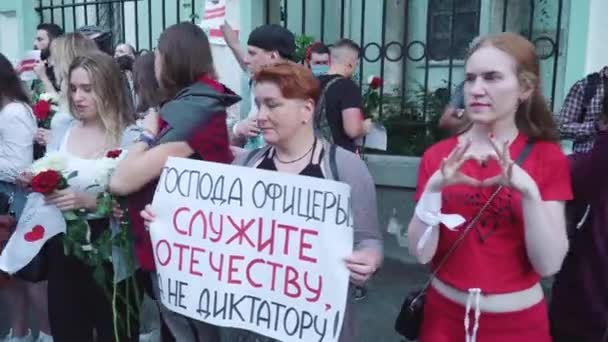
x,y
533,117
294,80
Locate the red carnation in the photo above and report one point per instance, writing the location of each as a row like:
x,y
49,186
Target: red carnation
x,y
113,154
42,109
48,181
375,83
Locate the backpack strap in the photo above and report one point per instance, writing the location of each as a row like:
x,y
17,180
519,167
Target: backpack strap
x,y
593,81
321,103
332,162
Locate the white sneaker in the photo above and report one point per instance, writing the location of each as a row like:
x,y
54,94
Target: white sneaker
x,y
26,338
42,337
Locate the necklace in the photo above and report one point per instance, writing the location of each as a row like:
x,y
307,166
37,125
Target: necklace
x,y
276,156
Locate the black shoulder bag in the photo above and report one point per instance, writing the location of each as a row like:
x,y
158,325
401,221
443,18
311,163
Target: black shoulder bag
x,y
409,320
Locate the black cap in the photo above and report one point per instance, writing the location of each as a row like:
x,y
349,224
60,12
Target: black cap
x,y
274,38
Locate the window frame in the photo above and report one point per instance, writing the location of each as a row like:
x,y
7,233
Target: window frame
x,y
435,37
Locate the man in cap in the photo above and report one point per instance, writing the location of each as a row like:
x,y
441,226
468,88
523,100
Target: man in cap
x,y
267,45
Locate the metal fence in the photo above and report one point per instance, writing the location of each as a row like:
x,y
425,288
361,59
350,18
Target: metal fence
x,y
417,46
449,27
140,20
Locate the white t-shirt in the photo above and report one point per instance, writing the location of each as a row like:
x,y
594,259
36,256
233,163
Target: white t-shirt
x,y
88,169
16,140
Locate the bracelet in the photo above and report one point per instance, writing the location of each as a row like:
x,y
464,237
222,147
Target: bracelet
x,y
147,138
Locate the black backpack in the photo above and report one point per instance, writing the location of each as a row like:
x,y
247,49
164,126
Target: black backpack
x,y
321,123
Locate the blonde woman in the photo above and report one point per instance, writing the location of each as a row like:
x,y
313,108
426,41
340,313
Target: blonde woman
x,y
64,50
102,121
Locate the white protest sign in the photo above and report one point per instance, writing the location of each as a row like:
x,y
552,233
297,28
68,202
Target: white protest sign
x,y
216,12
253,249
25,68
376,138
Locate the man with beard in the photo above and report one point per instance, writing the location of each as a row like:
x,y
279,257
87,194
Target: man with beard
x,y
45,34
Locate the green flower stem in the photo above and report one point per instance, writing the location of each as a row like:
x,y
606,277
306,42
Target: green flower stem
x,y
100,254
114,313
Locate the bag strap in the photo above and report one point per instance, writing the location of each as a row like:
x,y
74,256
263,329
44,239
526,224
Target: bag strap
x,y
589,91
332,162
250,155
321,102
520,159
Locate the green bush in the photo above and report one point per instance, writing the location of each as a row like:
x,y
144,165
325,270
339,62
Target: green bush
x,y
302,44
412,123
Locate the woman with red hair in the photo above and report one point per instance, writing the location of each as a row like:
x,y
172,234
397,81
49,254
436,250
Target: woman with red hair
x,y
491,227
286,94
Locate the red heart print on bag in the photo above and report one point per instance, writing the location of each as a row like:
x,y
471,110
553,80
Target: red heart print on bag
x,y
35,234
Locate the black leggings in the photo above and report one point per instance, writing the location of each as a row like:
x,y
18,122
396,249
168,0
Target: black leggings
x,y
79,309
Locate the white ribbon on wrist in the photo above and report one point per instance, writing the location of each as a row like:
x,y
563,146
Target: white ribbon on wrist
x,y
428,211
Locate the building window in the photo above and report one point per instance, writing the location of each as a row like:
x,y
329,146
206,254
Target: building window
x,y
464,15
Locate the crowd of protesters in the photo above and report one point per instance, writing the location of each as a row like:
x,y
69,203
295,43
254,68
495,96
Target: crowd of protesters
x,y
499,204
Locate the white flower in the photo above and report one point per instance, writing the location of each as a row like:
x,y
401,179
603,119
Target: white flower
x,y
51,161
106,167
48,97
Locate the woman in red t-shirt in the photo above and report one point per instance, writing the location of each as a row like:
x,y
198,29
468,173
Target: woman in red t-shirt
x,y
489,284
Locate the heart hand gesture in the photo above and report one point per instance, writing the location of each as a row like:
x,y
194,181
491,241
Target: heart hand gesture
x,y
511,175
449,172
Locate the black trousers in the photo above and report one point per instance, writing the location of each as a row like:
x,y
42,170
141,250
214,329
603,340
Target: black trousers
x,y
79,308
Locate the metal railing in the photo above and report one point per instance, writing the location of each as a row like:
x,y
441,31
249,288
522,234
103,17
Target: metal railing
x,y
413,50
402,40
112,15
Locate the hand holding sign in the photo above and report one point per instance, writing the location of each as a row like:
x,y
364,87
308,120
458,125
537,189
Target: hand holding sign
x,y
25,68
40,69
230,35
148,215
362,264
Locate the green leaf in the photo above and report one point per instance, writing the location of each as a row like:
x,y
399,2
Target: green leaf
x,y
70,215
104,208
72,175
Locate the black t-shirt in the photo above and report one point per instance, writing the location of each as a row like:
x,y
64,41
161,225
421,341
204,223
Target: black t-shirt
x,y
343,94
